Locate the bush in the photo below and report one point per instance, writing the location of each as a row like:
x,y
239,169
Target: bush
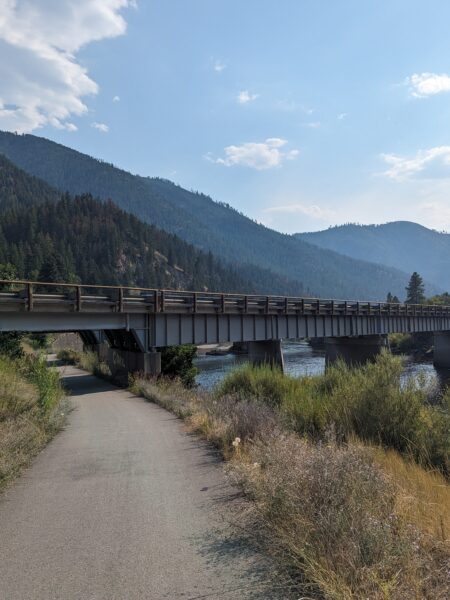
x,y
369,402
329,513
177,363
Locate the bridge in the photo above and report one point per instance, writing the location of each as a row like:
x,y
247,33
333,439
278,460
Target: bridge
x,y
128,325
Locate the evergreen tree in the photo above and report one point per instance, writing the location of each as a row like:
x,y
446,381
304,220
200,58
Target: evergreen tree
x,y
415,290
392,299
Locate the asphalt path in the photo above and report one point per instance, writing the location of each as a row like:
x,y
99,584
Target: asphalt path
x,y
124,504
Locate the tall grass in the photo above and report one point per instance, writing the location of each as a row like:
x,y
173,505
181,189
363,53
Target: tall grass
x,y
30,413
369,402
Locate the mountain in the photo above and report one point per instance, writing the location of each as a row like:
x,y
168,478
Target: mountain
x,y
400,244
209,225
54,237
18,190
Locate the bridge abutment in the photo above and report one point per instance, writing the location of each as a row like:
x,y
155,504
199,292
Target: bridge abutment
x,y
442,349
266,352
353,350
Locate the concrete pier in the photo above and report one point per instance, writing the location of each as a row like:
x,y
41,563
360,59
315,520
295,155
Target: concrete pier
x,y
266,353
442,349
353,350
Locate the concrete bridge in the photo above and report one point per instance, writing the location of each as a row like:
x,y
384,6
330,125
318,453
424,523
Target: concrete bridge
x,y
137,322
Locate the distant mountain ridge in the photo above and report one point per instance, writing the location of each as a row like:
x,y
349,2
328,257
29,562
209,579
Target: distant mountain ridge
x,y
51,236
401,244
199,220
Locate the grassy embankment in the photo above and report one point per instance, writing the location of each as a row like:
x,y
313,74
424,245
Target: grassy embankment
x,y
347,473
30,411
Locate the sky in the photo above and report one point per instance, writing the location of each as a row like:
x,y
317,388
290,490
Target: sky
x,y
301,114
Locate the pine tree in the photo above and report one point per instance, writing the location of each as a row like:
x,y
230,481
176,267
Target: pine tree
x,y
392,299
415,290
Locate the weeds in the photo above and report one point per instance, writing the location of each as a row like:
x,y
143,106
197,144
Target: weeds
x,y
30,413
369,403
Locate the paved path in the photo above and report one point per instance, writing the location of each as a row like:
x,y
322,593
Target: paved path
x,y
123,504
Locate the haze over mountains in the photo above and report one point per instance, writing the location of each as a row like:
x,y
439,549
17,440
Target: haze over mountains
x,y
209,225
401,244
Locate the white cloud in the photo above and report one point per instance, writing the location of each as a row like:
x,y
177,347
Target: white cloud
x,y
100,127
116,99
256,155
41,81
219,66
432,164
342,116
428,84
245,96
310,210
313,124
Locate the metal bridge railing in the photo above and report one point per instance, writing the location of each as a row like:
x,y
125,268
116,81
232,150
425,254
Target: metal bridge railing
x,y
43,297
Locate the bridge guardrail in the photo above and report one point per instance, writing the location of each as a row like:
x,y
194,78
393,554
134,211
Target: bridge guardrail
x,y
41,296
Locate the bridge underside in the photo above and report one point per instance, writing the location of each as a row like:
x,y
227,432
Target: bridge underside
x,y
133,338
164,329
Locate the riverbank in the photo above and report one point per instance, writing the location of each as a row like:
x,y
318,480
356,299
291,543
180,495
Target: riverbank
x,y
345,516
30,411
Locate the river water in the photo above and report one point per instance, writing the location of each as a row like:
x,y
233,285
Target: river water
x,y
300,360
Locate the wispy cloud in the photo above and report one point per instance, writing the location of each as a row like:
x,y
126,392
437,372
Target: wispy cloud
x,y
116,99
42,83
219,66
256,155
310,210
342,116
433,163
244,97
313,124
100,127
428,84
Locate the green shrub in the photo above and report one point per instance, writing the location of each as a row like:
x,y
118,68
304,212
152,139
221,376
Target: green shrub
x,y
369,402
177,363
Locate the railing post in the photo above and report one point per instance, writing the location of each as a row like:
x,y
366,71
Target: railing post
x,y
302,306
29,296
156,301
222,303
121,299
318,307
332,307
246,304
267,305
78,298
162,306
194,302
286,305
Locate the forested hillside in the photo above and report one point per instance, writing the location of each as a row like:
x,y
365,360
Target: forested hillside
x,y
402,244
209,225
19,190
55,237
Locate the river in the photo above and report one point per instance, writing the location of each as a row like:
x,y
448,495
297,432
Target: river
x,y
300,360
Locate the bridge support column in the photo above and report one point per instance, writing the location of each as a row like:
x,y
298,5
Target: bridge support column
x,y
124,362
353,350
442,349
266,352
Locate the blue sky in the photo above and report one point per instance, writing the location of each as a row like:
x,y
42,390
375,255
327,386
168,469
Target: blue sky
x,y
299,113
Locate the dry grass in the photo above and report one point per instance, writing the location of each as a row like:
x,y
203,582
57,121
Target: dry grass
x,y
89,361
30,412
423,497
346,521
